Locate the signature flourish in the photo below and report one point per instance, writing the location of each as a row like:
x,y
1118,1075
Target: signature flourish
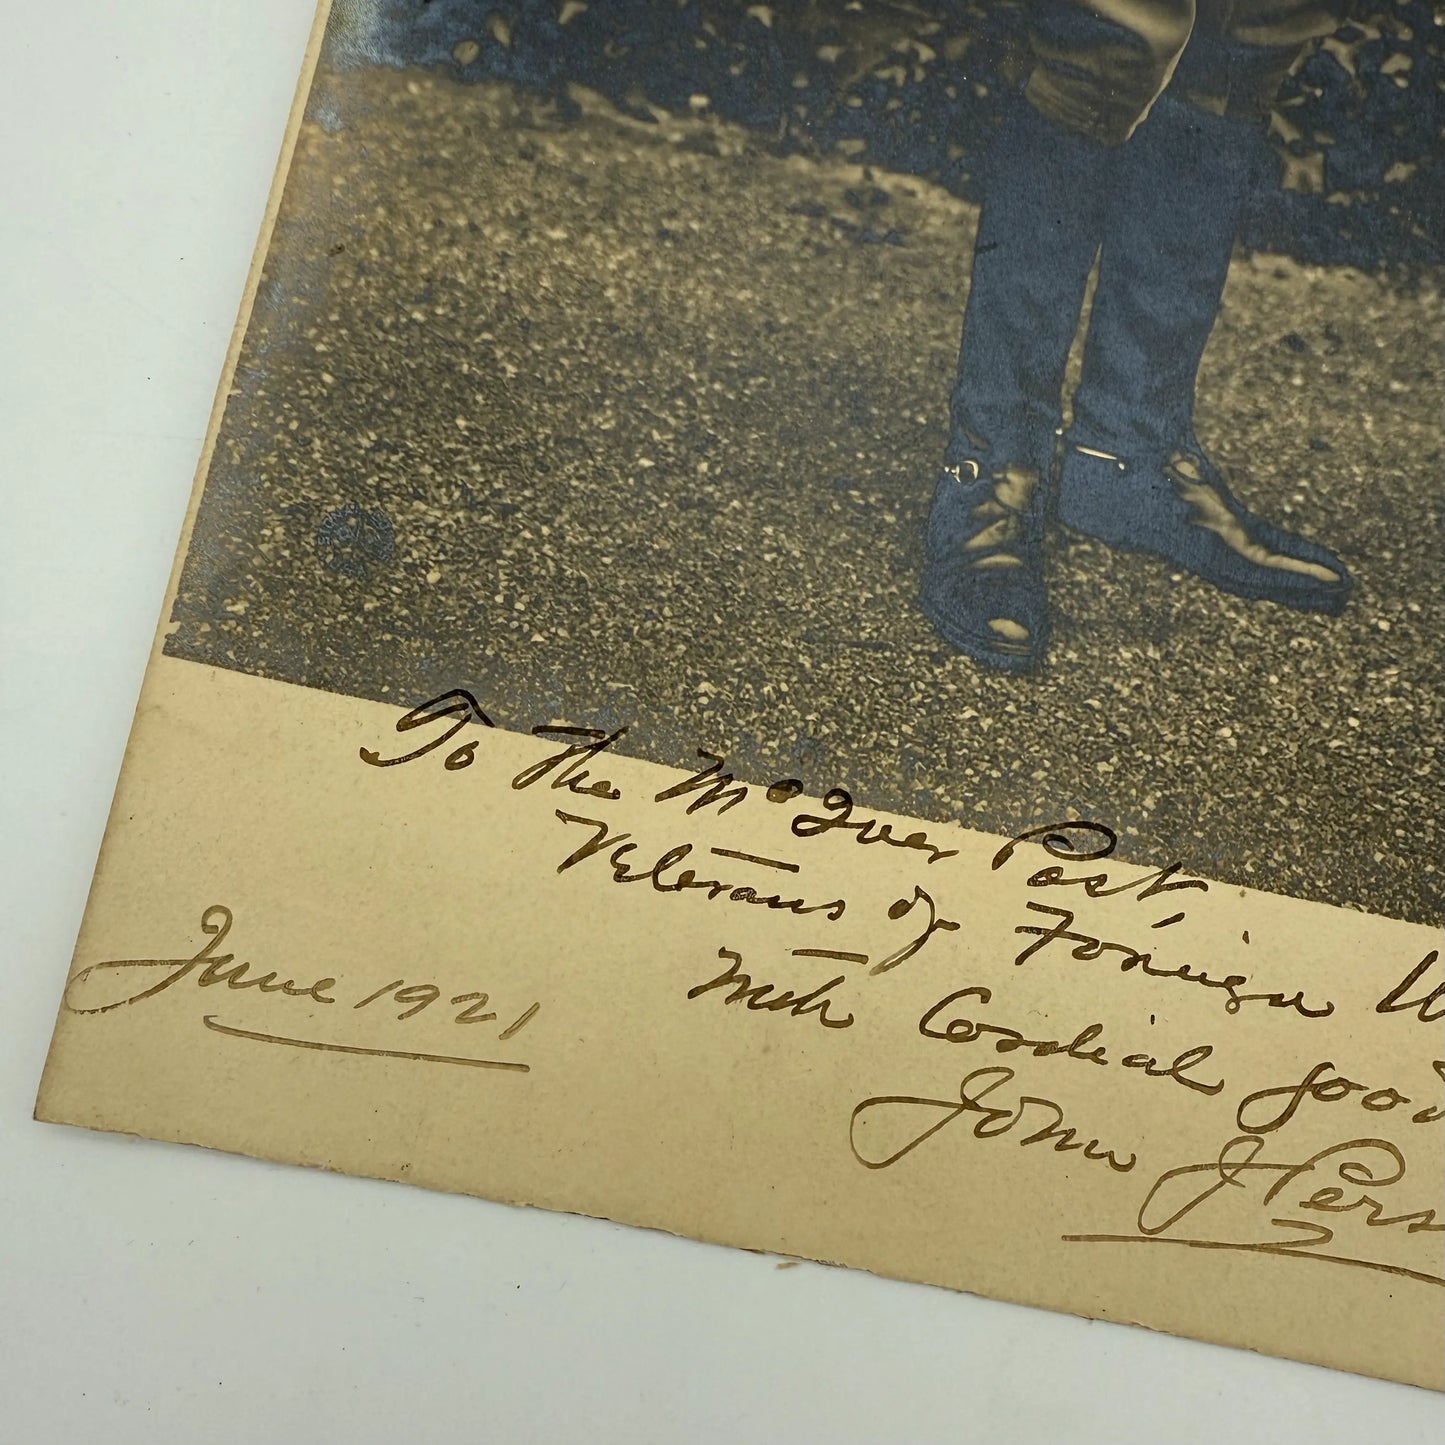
x,y
1240,1202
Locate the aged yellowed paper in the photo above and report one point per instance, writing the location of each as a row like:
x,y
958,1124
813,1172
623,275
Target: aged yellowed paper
x,y
480,970
542,790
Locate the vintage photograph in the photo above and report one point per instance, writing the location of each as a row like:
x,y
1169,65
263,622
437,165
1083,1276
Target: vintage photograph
x,y
1011,412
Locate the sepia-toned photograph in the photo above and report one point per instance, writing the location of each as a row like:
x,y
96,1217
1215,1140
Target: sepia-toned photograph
x,y
1010,412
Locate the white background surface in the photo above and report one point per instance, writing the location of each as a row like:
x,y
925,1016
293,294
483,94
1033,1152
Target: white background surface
x,y
155,1293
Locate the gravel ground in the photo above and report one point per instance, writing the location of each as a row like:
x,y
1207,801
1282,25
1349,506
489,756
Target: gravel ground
x,y
617,422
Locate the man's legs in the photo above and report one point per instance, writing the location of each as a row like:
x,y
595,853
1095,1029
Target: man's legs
x,y
1163,187
1179,192
1038,234
1048,186
1133,473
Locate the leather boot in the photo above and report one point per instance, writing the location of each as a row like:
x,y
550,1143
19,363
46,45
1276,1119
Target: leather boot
x,y
1133,473
983,585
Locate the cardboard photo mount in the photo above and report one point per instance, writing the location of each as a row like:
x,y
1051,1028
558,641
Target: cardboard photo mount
x,y
400,942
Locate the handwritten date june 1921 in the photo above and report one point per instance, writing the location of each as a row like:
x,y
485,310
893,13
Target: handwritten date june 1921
x,y
209,967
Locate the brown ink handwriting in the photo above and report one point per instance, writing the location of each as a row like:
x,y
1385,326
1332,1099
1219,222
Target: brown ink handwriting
x,y
209,968
715,786
896,1116
1237,1202
1057,841
667,875
1088,948
1429,1007
944,1021
321,1046
1266,1110
838,813
570,774
458,704
765,996
901,908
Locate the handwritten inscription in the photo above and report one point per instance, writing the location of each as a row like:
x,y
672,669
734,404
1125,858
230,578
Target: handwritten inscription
x,y
889,1127
208,968
1082,854
768,998
901,908
715,788
1266,1110
1078,846
1428,1007
668,875
1240,1202
1058,841
565,769
1084,842
837,815
1088,948
457,705
945,1021
1354,1203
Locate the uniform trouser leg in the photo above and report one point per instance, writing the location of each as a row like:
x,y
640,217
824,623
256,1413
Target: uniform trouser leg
x,y
1181,186
1140,131
1183,181
1048,190
1039,231
1100,64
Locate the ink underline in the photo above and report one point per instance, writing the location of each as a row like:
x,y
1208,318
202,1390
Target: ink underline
x,y
753,858
210,1022
1256,1249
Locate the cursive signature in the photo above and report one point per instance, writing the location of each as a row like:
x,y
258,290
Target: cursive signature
x,y
1239,1202
896,1117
